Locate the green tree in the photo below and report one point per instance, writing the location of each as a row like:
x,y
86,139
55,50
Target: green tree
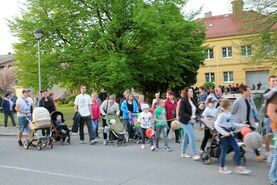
x,y
261,19
146,45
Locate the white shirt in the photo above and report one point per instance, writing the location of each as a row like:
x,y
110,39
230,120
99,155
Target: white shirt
x,y
25,105
111,109
145,119
210,112
83,102
225,120
193,108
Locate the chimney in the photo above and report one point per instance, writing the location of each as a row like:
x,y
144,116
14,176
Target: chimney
x,y
208,14
237,6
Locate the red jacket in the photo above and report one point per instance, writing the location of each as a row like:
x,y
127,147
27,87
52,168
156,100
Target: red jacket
x,y
95,108
170,108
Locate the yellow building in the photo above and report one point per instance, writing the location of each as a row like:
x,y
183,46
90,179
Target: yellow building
x,y
228,55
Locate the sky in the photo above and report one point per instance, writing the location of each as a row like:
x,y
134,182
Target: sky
x,y
11,8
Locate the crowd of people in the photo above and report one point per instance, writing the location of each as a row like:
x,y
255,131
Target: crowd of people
x,y
159,115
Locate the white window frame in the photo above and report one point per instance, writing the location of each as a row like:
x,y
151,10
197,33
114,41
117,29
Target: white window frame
x,y
210,77
228,55
248,50
228,76
208,56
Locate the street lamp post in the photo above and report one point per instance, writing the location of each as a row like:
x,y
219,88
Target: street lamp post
x,y
38,34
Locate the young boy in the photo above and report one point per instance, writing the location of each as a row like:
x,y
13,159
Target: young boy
x,y
146,120
161,125
209,112
224,124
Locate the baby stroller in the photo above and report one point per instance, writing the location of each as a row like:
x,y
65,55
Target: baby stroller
x,y
213,148
115,130
59,132
41,120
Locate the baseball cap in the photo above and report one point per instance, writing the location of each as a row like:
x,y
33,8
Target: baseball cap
x,y
211,100
144,106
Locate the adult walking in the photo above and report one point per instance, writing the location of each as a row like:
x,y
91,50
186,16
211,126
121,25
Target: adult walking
x,y
7,106
170,105
216,96
108,107
49,104
23,108
187,115
202,94
242,111
128,107
83,106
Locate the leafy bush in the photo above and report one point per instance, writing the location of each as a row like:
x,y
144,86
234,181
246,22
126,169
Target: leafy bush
x,y
209,84
70,104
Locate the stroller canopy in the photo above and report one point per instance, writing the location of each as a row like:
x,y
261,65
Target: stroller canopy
x,y
41,114
54,115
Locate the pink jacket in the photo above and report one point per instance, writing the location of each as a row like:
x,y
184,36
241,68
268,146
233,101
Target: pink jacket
x,y
95,108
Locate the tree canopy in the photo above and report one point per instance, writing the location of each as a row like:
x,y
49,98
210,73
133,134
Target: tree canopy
x,y
145,45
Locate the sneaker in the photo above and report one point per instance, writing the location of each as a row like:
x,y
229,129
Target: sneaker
x,y
82,142
20,143
201,151
259,158
185,155
196,157
92,142
224,170
75,133
167,149
142,146
105,142
153,148
268,157
242,170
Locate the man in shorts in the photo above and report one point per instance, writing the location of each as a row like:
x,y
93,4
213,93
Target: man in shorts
x,y
23,108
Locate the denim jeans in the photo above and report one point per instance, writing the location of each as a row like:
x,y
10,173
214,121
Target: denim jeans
x,y
159,130
94,126
6,116
24,123
225,142
273,170
188,139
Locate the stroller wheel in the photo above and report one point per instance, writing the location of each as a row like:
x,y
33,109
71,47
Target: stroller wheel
x,y
68,140
39,145
26,144
206,158
51,145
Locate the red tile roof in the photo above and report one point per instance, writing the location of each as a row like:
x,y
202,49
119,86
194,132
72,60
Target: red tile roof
x,y
224,26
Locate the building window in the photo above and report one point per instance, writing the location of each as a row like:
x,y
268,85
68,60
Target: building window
x,y
246,50
227,52
209,54
268,50
228,76
209,77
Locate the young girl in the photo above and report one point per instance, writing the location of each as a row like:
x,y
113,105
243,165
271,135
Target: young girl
x,y
224,124
146,120
161,125
95,116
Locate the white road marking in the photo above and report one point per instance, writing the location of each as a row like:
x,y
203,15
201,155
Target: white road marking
x,y
50,173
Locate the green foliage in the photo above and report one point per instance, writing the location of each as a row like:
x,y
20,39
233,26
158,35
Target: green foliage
x,y
146,45
209,85
70,104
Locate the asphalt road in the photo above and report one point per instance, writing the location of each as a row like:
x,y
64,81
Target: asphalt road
x,y
83,164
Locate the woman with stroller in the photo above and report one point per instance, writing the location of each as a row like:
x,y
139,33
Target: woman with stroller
x,y
225,124
187,112
242,111
129,107
108,107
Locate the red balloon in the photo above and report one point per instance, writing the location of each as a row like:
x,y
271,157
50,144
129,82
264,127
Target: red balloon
x,y
148,133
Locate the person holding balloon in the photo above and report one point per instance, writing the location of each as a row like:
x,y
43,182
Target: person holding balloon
x,y
146,120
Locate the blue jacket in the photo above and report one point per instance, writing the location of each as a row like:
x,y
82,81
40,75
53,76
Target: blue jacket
x,y
125,110
6,106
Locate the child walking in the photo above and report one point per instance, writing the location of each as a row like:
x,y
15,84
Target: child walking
x,y
161,125
146,120
224,124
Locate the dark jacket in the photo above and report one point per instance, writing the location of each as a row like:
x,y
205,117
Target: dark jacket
x,y
50,105
185,110
6,106
76,121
